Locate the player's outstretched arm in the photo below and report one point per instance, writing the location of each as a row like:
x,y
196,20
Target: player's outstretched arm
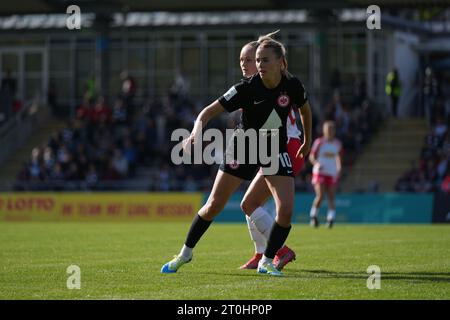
x,y
312,159
339,163
306,118
202,120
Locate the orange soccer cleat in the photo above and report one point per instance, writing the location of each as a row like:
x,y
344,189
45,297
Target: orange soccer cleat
x,y
253,262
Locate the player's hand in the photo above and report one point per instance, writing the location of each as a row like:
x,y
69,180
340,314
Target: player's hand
x,y
303,151
187,144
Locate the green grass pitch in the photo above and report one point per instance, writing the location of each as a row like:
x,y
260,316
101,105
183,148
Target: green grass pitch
x,y
123,261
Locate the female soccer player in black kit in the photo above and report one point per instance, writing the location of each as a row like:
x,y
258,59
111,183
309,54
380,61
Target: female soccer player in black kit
x,y
259,220
266,100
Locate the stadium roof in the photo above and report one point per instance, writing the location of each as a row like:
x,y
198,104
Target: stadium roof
x,y
51,14
59,6
157,19
235,18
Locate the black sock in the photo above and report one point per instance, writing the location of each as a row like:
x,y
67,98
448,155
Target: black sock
x,y
278,236
198,228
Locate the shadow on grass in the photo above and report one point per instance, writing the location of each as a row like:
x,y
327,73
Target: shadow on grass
x,y
310,274
245,273
421,276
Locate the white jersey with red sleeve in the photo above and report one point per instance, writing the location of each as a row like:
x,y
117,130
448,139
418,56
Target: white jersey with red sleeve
x,y
325,153
291,126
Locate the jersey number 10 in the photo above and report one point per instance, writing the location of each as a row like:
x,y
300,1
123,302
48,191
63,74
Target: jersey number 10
x,y
285,160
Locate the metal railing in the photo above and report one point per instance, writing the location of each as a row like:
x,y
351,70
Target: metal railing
x,y
119,185
17,129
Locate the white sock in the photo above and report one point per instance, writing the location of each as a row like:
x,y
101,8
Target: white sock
x,y
331,215
313,212
264,259
258,238
186,252
263,221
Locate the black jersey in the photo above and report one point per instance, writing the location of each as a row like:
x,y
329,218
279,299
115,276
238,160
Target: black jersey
x,y
264,108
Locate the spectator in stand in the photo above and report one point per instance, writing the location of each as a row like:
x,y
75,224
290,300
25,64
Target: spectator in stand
x,y
128,92
7,95
92,176
119,113
130,155
179,89
421,184
89,88
49,159
101,112
51,98
73,172
441,165
446,145
84,110
335,80
359,93
393,90
145,144
445,185
111,173
120,163
35,165
430,94
56,173
440,129
17,106
164,178
335,108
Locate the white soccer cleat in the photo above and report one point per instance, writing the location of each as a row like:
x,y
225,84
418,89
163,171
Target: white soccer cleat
x,y
173,265
269,268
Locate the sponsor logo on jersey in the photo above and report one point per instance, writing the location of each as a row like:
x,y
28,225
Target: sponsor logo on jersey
x,y
329,154
283,100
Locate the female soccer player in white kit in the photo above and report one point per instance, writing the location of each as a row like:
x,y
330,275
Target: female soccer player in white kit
x,y
325,157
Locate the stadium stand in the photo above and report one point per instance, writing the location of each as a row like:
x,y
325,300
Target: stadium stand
x,y
431,171
153,79
103,146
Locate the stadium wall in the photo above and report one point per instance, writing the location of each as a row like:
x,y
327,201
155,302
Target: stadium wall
x,y
441,208
351,208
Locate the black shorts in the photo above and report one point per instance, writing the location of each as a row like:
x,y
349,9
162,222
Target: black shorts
x,y
284,166
247,171
243,171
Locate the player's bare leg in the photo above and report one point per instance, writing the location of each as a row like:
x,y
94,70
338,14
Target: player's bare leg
x,y
256,195
331,191
260,223
320,191
224,186
253,200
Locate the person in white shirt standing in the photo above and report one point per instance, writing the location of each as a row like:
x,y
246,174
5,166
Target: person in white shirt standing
x,y
325,157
